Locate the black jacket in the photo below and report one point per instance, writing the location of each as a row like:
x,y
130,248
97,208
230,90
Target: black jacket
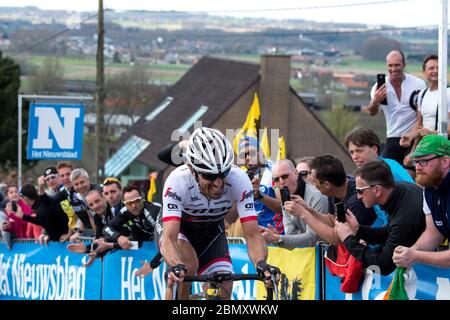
x,y
101,221
50,216
140,228
78,204
406,222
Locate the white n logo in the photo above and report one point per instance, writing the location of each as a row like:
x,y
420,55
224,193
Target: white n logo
x,y
49,120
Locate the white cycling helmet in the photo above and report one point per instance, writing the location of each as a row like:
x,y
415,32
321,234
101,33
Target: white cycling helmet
x,y
209,151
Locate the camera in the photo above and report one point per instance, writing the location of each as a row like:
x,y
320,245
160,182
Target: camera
x,y
381,79
285,196
14,206
340,212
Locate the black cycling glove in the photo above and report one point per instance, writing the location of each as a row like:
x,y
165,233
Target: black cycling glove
x,y
262,266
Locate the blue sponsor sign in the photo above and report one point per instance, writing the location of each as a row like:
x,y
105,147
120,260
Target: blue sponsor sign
x,y
55,131
428,283
121,283
34,272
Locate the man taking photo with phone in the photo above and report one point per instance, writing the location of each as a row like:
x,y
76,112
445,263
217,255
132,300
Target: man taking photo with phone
x,y
400,117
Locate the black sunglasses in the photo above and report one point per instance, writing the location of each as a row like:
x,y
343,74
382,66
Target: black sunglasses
x,y
214,176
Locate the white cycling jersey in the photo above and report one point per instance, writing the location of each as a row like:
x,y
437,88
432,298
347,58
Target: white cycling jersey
x,y
182,199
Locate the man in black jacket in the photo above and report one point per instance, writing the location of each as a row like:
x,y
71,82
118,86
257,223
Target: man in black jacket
x,y
137,221
403,205
48,213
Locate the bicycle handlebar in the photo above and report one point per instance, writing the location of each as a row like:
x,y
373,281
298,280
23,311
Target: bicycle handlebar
x,y
222,277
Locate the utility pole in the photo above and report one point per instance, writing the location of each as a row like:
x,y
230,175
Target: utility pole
x,y
100,134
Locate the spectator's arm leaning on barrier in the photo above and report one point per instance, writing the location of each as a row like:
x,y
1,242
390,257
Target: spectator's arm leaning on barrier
x,y
382,259
148,267
111,233
321,224
423,250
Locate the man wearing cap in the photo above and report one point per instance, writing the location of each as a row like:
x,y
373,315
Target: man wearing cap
x,y
432,162
52,180
48,213
259,170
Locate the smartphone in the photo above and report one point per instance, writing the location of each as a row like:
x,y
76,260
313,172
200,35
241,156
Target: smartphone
x,y
340,212
285,196
14,206
381,79
134,245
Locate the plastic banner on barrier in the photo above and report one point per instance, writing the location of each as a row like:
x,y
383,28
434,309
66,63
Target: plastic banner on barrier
x,y
300,273
429,283
34,272
121,283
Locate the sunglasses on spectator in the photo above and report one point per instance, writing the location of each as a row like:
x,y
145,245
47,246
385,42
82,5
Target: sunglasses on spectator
x,y
111,180
361,190
423,162
48,178
132,202
284,177
304,173
214,176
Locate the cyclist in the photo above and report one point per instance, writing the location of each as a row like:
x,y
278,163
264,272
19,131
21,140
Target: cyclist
x,y
196,198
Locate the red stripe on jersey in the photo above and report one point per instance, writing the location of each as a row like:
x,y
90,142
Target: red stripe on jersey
x,y
171,218
212,262
250,218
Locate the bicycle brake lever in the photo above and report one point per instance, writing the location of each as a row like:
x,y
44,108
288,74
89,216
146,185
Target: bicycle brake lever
x,y
275,288
174,291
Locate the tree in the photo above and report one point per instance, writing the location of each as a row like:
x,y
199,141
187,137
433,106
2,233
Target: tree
x,y
376,48
9,89
48,78
340,121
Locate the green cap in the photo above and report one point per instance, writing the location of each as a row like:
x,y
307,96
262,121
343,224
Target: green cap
x,y
432,144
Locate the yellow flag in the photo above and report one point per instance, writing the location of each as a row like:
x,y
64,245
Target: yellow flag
x,y
250,127
152,189
281,149
265,144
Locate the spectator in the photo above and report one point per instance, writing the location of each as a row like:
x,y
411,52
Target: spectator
x,y
363,145
304,168
102,216
17,227
136,223
432,163
267,206
112,191
81,186
426,101
52,180
403,204
330,179
65,168
400,117
297,233
48,213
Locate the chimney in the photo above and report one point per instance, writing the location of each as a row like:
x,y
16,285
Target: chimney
x,y
274,92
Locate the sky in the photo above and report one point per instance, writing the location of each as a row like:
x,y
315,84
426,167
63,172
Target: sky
x,y
399,13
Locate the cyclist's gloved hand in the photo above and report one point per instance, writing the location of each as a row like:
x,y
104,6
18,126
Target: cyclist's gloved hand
x,y
266,271
176,273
